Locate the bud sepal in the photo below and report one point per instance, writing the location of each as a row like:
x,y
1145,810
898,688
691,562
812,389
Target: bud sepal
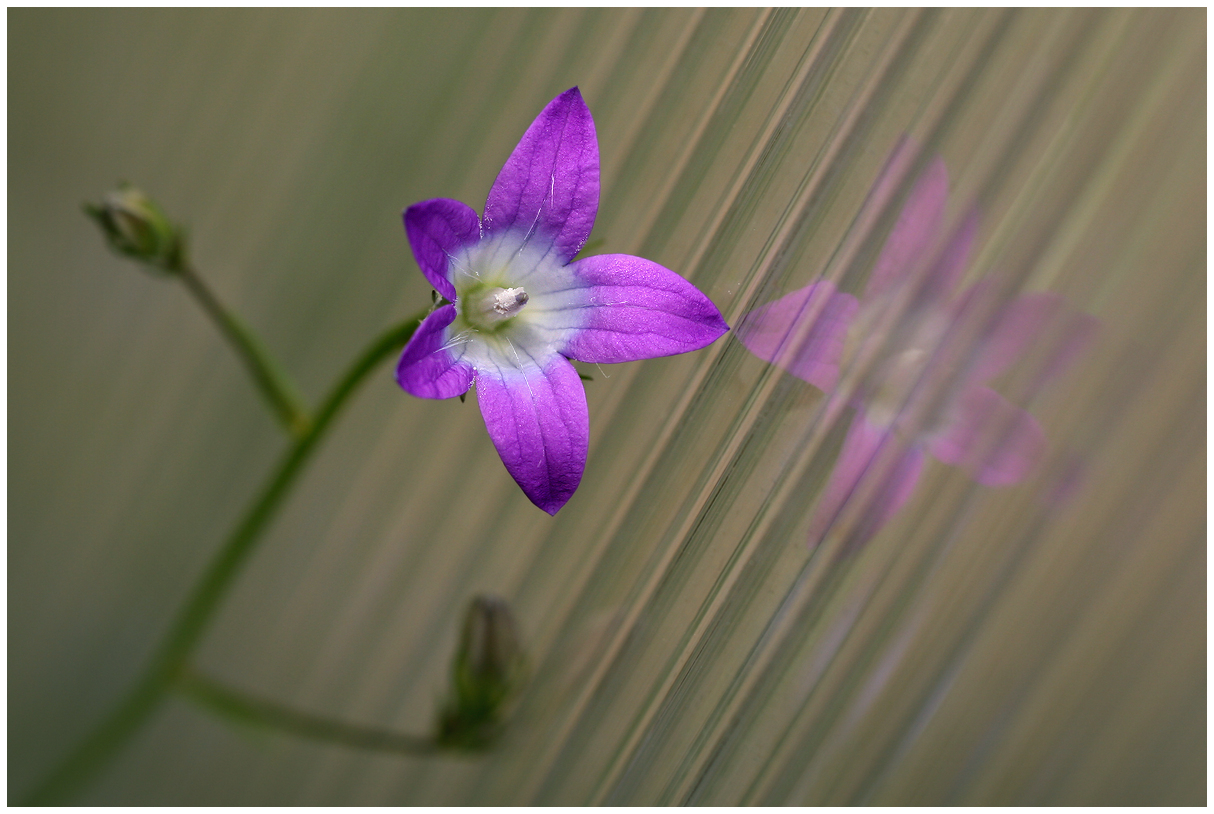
x,y
488,670
137,227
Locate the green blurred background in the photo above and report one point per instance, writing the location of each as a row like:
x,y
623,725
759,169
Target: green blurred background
x,y
737,146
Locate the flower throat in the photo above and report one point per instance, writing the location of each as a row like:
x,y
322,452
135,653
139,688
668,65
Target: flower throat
x,y
488,308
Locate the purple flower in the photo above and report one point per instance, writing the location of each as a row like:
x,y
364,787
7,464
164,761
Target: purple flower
x,y
927,392
519,308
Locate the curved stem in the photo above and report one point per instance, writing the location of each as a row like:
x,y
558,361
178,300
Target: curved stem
x,y
173,654
273,382
250,709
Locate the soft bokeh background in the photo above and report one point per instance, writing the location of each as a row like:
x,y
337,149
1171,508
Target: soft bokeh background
x,y
1041,644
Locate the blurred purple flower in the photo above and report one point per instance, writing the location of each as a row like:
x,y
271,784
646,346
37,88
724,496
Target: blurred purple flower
x,y
960,421
519,308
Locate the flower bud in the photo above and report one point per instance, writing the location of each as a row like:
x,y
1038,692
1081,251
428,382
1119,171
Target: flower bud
x,y
486,674
137,227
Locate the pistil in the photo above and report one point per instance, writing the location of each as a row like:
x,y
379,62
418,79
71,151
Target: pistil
x,y
494,305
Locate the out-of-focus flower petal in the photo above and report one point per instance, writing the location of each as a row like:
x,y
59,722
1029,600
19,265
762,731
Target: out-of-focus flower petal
x,y
917,226
992,439
438,229
897,165
432,364
1028,319
860,449
1019,324
536,415
953,261
622,308
803,332
549,187
1079,335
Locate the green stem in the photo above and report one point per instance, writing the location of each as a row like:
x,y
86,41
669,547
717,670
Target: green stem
x,y
273,382
250,709
183,637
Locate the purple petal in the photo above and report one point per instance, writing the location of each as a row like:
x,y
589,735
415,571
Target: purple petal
x,y
992,439
802,332
1078,337
549,187
538,421
1067,481
917,227
1025,320
860,450
437,229
892,174
952,263
625,308
430,366
1012,330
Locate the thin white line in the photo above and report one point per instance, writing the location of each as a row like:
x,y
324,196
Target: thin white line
x,y
519,359
462,338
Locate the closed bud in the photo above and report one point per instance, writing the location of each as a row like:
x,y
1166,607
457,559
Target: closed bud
x,y
486,674
137,227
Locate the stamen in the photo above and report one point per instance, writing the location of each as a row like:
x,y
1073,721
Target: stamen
x,y
487,308
507,302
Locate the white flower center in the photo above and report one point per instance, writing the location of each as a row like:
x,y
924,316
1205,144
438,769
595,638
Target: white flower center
x,y
897,372
894,382
506,313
